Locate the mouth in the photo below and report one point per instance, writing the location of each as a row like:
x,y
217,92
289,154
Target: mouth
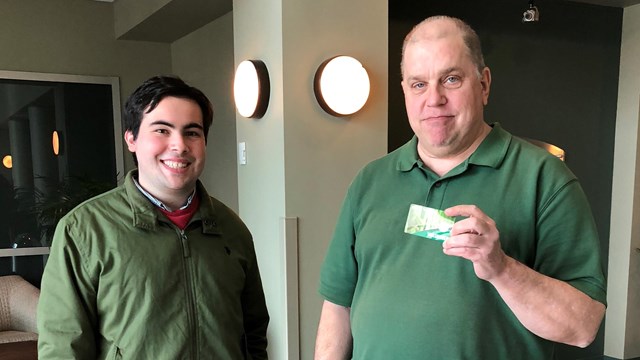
x,y
438,118
175,164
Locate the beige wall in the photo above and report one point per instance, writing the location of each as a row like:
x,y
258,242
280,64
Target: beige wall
x,y
257,28
75,38
622,326
78,38
204,59
300,159
132,13
323,153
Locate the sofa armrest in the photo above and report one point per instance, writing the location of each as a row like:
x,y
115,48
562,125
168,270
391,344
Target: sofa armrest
x,y
23,302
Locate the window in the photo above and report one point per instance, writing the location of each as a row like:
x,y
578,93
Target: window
x,y
60,143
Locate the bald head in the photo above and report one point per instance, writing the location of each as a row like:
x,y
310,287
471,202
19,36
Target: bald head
x,y
438,27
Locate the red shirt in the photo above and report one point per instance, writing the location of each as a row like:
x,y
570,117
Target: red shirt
x,y
181,217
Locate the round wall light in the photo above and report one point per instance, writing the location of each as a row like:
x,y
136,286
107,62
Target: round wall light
x,y
7,161
251,88
341,85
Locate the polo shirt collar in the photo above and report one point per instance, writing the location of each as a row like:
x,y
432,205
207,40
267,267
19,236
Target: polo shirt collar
x,y
493,148
491,151
408,155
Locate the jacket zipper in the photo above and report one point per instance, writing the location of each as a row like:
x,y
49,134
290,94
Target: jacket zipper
x,y
191,305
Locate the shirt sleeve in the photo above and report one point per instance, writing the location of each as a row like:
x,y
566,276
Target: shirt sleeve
x,y
568,246
66,308
339,273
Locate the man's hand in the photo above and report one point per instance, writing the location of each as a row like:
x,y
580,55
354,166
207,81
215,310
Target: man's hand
x,y
476,239
548,307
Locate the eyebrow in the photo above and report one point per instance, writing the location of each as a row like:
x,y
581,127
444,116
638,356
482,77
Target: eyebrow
x,y
451,69
444,72
168,124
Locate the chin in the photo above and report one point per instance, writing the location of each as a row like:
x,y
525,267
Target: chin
x,y
439,140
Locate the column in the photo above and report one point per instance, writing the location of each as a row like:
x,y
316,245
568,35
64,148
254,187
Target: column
x,y
622,322
20,145
300,159
45,166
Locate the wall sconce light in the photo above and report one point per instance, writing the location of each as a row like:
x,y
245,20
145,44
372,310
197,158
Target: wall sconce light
x,y
7,161
341,85
552,149
251,88
55,142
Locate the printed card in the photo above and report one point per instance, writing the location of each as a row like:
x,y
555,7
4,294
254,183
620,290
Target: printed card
x,y
428,223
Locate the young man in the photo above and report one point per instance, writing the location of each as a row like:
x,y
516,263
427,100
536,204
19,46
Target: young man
x,y
521,268
156,268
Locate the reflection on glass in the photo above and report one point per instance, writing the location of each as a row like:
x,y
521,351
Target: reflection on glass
x,y
39,183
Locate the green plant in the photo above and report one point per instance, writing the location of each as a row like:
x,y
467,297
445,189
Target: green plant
x,y
49,206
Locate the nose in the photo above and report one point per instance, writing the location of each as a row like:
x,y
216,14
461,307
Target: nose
x,y
434,96
178,144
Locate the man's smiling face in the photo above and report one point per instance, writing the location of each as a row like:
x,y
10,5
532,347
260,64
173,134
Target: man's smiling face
x,y
170,148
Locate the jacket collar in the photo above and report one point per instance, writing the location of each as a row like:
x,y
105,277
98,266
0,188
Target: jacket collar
x,y
146,216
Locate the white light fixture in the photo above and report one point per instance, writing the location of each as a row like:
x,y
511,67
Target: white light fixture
x,y
251,88
341,85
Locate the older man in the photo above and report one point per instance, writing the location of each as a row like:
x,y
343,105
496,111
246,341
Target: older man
x,y
519,270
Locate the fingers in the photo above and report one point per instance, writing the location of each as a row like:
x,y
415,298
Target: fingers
x,y
468,226
468,251
475,238
476,222
466,211
483,251
462,240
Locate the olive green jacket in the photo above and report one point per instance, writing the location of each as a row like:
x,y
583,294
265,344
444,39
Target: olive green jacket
x,y
122,282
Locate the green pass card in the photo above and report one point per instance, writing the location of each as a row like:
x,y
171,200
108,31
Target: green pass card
x,y
428,223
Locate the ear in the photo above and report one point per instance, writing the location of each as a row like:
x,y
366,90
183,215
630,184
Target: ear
x,y
402,84
129,139
485,83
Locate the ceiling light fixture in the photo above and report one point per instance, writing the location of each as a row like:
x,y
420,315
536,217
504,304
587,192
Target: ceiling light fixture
x,y
531,14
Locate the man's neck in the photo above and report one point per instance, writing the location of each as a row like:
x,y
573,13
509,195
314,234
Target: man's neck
x,y
167,203
441,165
179,203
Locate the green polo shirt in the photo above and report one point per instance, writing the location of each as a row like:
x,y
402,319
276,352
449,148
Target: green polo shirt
x,y
411,301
